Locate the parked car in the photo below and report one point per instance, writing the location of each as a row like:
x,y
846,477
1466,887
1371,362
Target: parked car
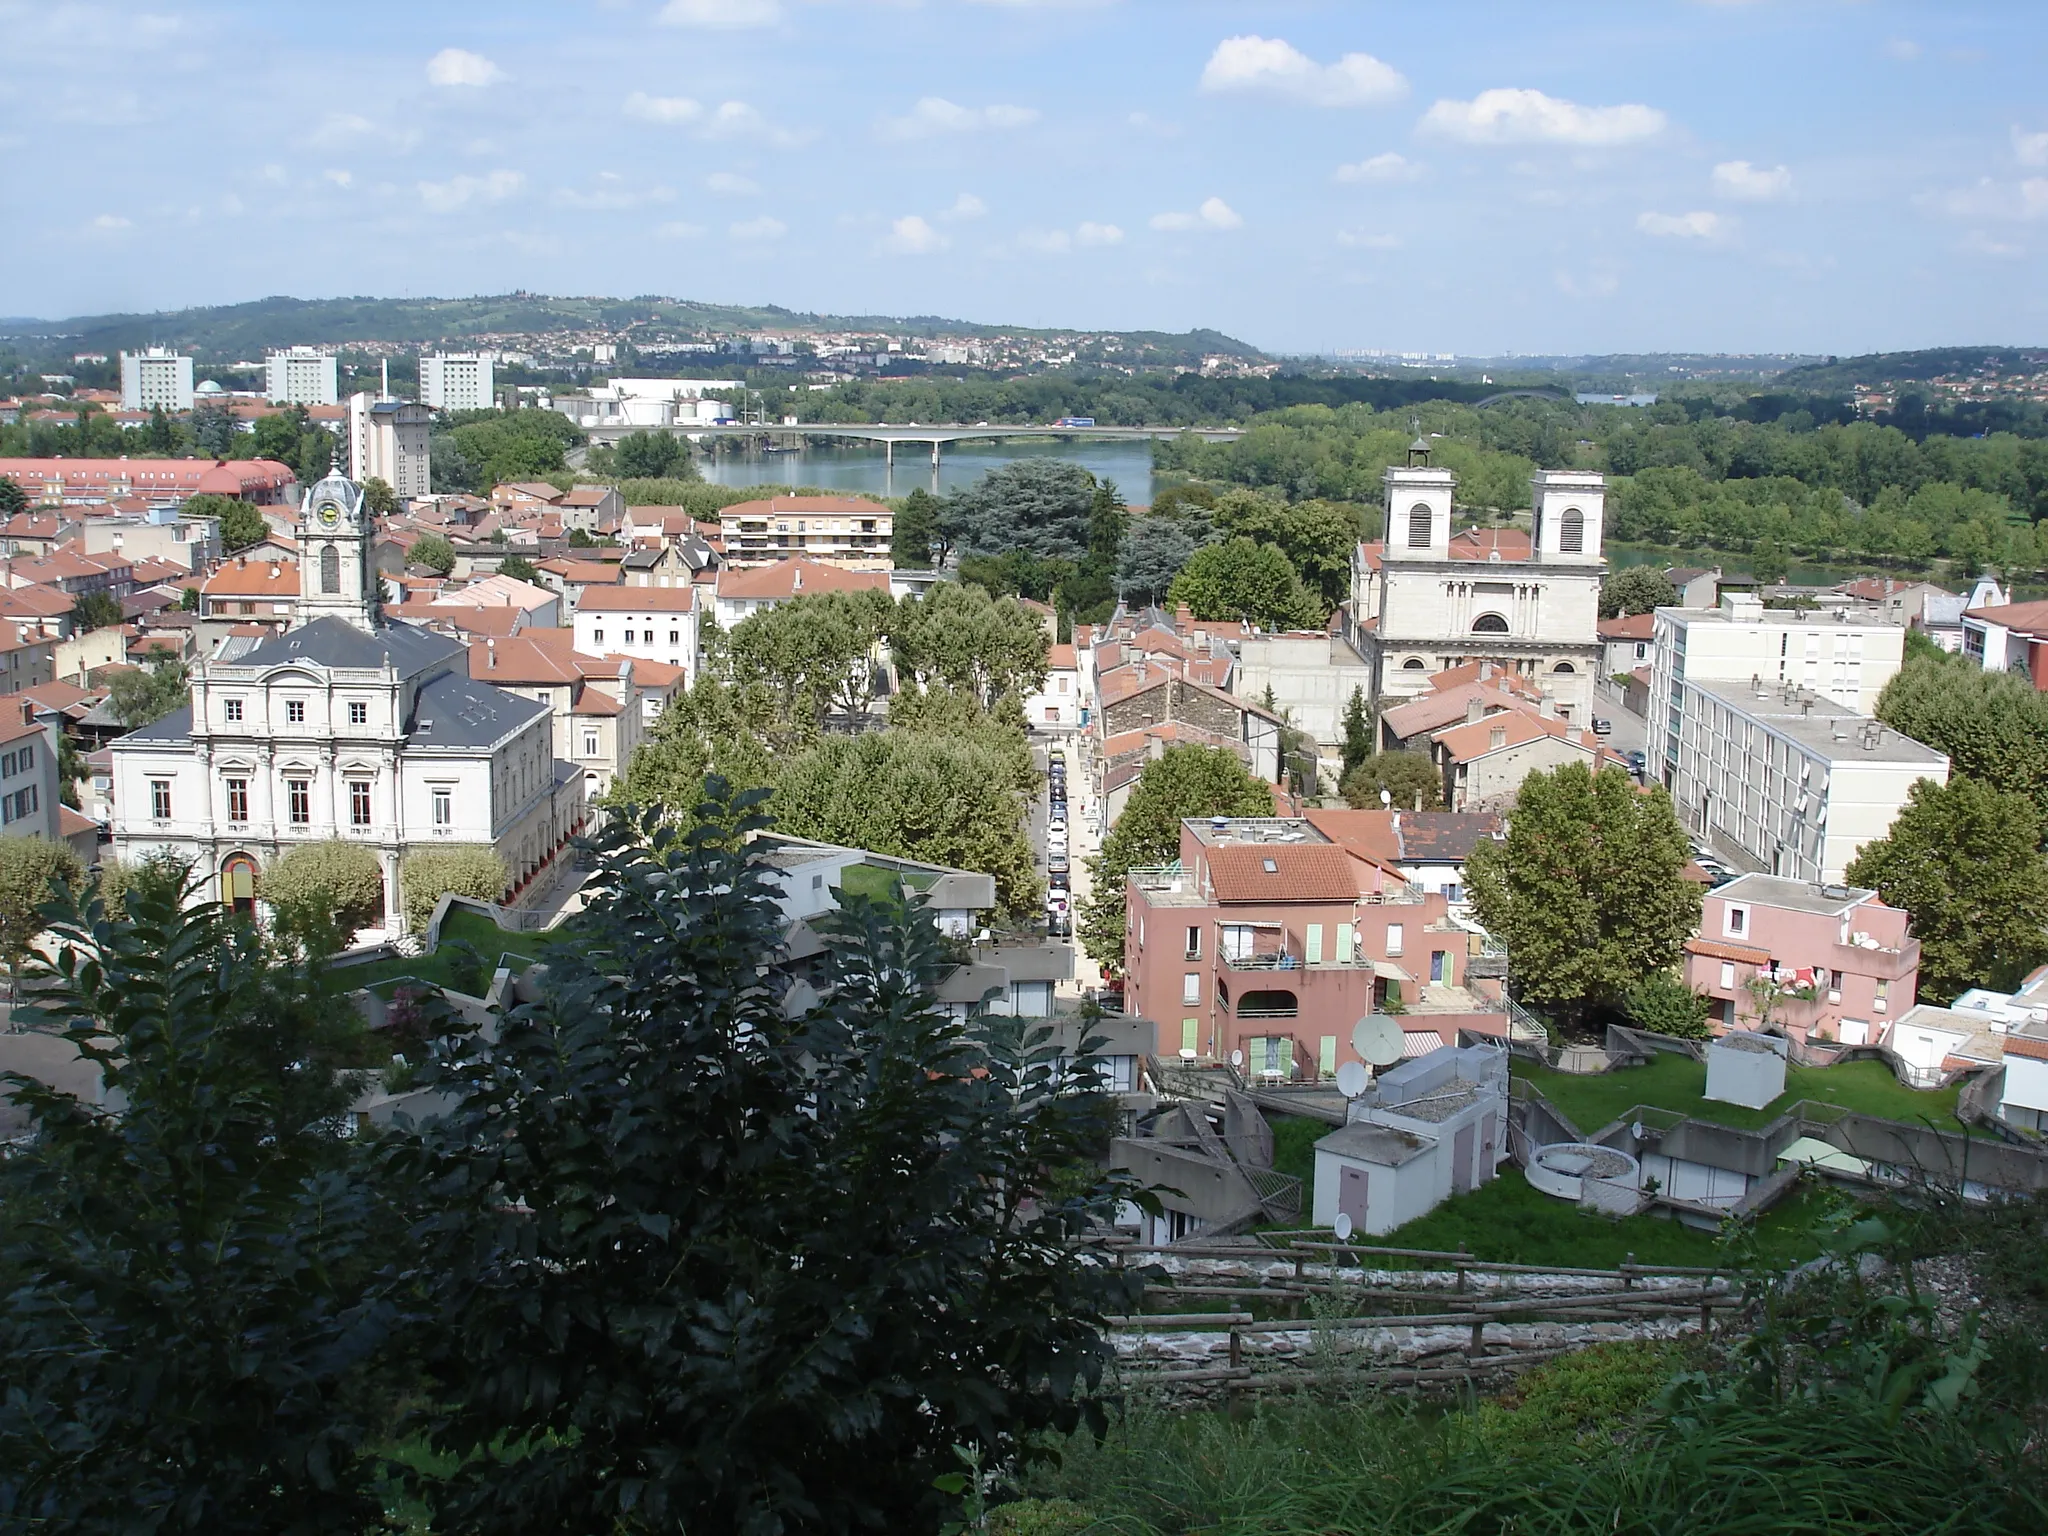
x,y
1602,726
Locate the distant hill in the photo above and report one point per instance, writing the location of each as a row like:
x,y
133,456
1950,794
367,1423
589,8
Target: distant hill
x,y
1839,373
238,331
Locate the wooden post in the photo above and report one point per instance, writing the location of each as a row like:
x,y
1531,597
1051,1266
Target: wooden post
x,y
1477,1349
1706,1319
1628,1272
1461,1271
1232,1396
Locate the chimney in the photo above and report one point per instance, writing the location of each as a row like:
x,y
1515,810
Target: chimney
x,y
1397,821
1475,709
1183,616
491,650
28,712
1548,708
797,580
1418,802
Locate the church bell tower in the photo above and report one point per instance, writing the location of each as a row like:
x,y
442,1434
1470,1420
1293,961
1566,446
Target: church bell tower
x,y
335,578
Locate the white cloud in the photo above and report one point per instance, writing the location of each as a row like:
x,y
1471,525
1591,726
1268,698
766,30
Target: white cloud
x,y
678,229
109,222
1507,116
2029,148
1359,239
1058,242
1698,225
341,178
761,229
1904,49
726,184
1276,67
1387,167
612,198
1990,199
1752,183
1978,243
736,119
912,236
720,15
460,191
663,109
934,115
458,66
343,128
966,206
1213,214
1098,234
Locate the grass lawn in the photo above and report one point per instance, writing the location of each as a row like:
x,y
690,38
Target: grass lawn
x,y
518,950
877,883
1677,1083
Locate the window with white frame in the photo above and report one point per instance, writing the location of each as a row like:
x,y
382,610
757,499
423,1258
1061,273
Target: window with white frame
x,y
231,709
1396,938
238,800
1735,921
295,711
358,712
1728,975
359,802
444,808
160,799
1191,989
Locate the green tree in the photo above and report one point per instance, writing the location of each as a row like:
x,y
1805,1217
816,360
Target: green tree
x,y
426,874
915,529
240,524
519,568
28,868
1181,782
1587,890
1044,507
159,436
817,652
379,499
326,889
1406,776
1151,555
1242,580
214,431
1964,859
1635,589
1108,521
191,1306
1992,725
1665,1005
1769,561
1317,537
958,637
699,1315
94,610
188,599
433,552
13,499
648,456
143,695
1358,732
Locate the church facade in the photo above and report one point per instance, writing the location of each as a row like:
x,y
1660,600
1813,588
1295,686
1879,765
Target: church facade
x,y
1424,599
346,726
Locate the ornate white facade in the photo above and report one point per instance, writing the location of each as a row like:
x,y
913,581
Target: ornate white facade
x,y
346,726
1423,599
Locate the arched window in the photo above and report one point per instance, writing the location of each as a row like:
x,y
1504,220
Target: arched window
x,y
1564,666
1571,532
1419,520
1414,664
1489,624
330,568
238,884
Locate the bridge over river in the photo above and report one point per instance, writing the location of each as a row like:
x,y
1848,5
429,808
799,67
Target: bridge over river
x,y
937,434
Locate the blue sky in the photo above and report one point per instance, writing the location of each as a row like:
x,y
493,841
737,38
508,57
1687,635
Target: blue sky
x,y
1822,175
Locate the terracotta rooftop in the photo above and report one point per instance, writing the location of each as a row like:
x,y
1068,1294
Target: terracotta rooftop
x,y
1281,872
617,599
793,578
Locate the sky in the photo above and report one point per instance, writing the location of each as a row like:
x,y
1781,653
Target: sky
x,y
1835,176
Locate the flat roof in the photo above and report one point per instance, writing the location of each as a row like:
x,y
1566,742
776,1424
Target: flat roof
x,y
1793,895
1822,727
1253,829
1817,618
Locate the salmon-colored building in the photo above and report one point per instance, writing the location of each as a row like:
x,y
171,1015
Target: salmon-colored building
x,y
1837,963
1269,939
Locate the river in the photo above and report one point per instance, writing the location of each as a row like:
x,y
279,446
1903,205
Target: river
x,y
863,469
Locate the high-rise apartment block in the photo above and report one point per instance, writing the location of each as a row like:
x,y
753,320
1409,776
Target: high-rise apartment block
x,y
457,381
387,440
301,376
156,377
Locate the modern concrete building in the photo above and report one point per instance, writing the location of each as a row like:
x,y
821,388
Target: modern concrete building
x,y
1310,677
387,440
301,376
153,377
458,381
1424,600
1778,778
1831,654
837,530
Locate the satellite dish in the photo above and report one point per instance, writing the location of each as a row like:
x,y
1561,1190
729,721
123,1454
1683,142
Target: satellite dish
x,y
1636,1130
1343,1227
1378,1039
1351,1079
1237,1058
1386,798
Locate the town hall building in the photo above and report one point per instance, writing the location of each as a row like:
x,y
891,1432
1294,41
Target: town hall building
x,y
1424,599
348,725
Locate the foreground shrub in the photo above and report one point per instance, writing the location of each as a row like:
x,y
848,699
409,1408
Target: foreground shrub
x,y
468,869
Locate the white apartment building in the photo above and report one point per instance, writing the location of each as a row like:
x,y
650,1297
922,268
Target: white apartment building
x,y
845,531
387,439
457,381
653,623
1424,600
345,726
1844,659
1780,779
301,376
156,376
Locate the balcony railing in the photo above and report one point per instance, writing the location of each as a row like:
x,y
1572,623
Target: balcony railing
x,y
1268,1013
1287,961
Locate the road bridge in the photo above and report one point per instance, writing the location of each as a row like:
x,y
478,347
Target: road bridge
x,y
936,434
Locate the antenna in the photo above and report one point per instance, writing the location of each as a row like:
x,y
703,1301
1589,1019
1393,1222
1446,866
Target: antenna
x,y
1377,1038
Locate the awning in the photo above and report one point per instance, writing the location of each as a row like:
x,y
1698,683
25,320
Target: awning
x,y
1811,1151
1386,970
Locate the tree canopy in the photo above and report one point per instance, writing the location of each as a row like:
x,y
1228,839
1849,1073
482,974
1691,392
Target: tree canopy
x,y
1964,859
1587,890
1182,781
1043,507
816,654
1407,776
28,866
958,637
433,552
1240,579
1150,556
1635,589
315,885
1992,725
143,695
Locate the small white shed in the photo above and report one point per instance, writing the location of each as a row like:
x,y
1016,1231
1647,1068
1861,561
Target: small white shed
x,y
1746,1069
1433,1127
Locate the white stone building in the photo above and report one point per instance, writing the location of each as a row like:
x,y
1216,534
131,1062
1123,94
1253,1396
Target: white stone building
x,y
654,623
346,726
387,440
458,381
156,376
1843,659
301,376
1424,600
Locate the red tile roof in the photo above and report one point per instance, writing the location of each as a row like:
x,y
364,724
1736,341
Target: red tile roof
x,y
802,506
1300,872
1634,626
793,578
615,599
1716,949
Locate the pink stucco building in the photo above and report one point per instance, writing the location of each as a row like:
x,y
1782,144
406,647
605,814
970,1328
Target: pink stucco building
x,y
1838,963
1269,938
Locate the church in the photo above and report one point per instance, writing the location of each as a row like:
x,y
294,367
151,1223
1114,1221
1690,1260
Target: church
x,y
347,725
1424,599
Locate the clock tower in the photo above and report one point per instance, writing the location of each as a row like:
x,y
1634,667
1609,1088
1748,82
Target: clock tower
x,y
335,578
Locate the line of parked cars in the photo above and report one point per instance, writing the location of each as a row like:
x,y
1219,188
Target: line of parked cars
x,y
1059,895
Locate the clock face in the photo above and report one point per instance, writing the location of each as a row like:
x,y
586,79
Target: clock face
x,y
329,514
